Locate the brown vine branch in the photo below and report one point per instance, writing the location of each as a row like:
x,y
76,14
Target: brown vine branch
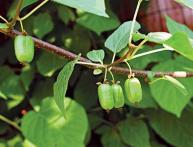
x,y
70,56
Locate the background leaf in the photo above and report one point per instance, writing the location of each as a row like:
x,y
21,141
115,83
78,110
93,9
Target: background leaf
x,y
137,135
95,6
48,67
12,88
46,26
59,131
98,24
175,27
87,98
176,131
181,44
111,138
27,77
77,40
65,14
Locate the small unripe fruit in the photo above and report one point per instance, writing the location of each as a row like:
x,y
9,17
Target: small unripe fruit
x,y
118,96
24,48
105,94
133,90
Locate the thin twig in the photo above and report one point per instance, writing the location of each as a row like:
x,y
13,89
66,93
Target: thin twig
x,y
5,20
10,122
151,52
34,10
70,56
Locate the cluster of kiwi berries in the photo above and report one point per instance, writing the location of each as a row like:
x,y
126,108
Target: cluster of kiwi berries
x,y
111,96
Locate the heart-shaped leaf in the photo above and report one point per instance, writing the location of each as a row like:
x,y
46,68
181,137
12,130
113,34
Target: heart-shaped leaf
x,y
48,127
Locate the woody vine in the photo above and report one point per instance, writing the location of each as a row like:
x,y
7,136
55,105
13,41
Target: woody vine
x,y
124,45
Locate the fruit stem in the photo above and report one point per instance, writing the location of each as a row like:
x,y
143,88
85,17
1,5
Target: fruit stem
x,y
92,64
112,76
21,24
130,70
105,77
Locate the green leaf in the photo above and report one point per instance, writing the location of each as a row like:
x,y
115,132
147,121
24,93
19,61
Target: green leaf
x,y
158,37
134,132
92,6
48,128
119,39
169,97
96,55
45,27
49,63
176,131
175,27
177,84
60,86
181,44
187,3
184,64
166,94
3,26
138,36
98,24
